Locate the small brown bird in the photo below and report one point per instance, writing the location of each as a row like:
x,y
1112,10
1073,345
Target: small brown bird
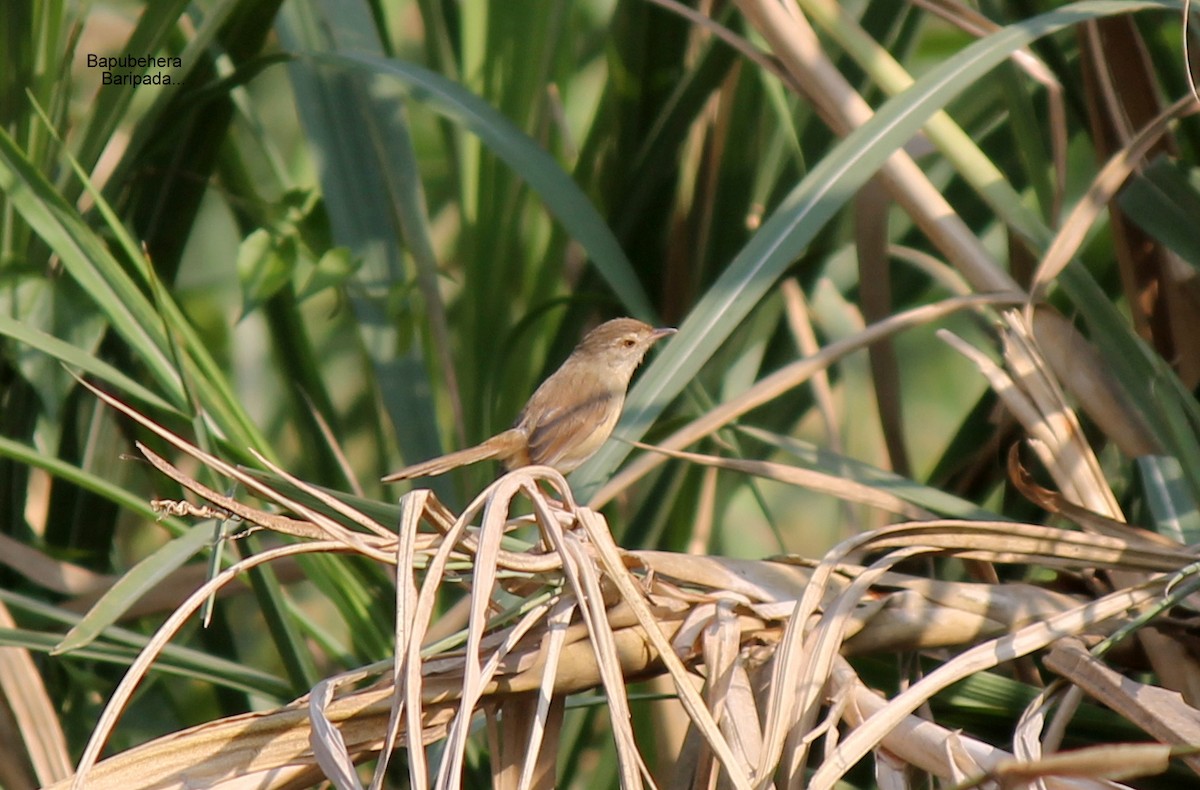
x,y
571,414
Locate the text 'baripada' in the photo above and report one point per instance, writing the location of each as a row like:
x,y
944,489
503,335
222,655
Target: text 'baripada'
x,y
134,69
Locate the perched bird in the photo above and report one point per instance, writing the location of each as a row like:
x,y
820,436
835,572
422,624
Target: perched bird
x,y
571,414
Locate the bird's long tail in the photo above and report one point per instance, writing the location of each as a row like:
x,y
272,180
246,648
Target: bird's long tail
x,y
503,446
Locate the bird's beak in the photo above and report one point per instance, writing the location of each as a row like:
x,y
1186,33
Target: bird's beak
x,y
659,334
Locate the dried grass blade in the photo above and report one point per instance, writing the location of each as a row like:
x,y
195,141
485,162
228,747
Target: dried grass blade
x,y
552,643
413,506
799,319
788,663
840,487
422,615
1161,713
948,755
1103,189
821,646
33,712
721,646
497,504
981,657
1017,401
137,670
328,745
249,515
335,531
335,446
1055,503
1071,455
580,573
1010,541
597,531
595,613
333,503
995,540
1093,765
1078,364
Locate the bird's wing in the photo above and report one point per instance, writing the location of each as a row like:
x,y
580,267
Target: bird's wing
x,y
566,436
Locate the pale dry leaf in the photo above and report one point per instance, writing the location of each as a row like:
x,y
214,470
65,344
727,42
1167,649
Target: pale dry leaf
x,y
812,480
327,743
799,322
497,503
597,531
333,503
1110,761
33,712
823,644
984,656
1078,365
1071,461
592,607
412,506
142,664
721,651
1160,712
927,745
538,753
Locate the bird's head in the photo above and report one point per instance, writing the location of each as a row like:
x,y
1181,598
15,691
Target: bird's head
x,y
620,343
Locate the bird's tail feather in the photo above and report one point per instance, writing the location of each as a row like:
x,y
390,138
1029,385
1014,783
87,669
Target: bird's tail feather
x,y
501,446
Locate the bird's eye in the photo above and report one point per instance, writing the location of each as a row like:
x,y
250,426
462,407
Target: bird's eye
x,y
629,342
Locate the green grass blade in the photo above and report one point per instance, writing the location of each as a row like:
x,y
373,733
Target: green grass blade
x,y
88,261
1169,499
365,217
804,212
80,360
133,585
120,646
562,196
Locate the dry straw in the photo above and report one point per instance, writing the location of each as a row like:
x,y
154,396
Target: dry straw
x,y
755,651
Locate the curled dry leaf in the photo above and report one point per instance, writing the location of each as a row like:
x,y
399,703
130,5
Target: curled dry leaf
x,y
770,635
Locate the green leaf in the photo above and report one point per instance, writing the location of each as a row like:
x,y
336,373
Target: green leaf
x,y
561,195
133,585
1165,204
334,270
88,260
120,646
804,212
363,146
265,264
80,360
1170,499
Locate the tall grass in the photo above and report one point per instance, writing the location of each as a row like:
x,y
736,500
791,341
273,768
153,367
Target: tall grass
x,y
352,235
